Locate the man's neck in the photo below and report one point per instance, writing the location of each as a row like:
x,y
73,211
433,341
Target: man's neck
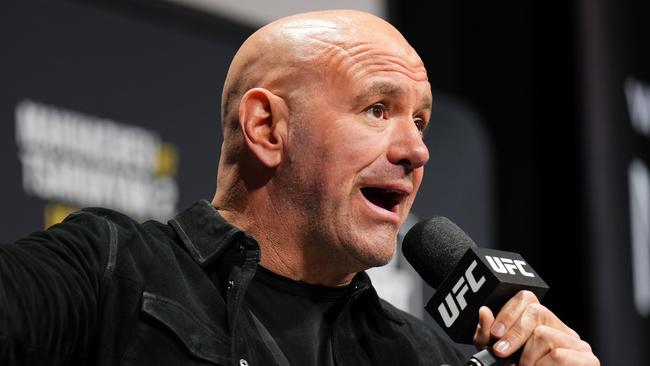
x,y
282,254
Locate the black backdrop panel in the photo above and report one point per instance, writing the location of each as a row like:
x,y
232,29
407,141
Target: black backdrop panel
x,y
616,88
109,62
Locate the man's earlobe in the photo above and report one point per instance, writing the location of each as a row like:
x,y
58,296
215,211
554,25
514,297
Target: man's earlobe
x,y
263,118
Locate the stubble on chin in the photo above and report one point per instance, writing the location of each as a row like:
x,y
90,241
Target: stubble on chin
x,y
376,252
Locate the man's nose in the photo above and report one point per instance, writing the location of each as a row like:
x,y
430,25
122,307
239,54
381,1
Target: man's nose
x,y
407,146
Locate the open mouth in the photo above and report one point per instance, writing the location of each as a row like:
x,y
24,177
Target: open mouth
x,y
387,199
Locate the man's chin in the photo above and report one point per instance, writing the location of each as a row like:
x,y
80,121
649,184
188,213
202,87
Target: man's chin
x,y
376,257
380,262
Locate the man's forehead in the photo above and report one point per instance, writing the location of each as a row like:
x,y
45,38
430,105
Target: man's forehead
x,y
362,57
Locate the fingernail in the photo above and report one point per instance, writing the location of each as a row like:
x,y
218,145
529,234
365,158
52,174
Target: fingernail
x,y
498,329
502,346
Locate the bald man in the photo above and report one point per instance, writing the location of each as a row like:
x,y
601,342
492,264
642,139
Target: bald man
x,y
322,117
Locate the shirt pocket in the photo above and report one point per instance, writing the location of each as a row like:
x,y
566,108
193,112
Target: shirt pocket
x,y
170,334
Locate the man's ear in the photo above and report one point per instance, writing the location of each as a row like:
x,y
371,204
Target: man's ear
x,y
263,118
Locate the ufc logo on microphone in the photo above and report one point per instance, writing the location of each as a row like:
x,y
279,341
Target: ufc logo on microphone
x,y
455,300
506,265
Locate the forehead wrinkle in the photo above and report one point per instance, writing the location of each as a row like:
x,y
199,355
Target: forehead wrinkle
x,y
306,37
370,61
369,50
365,57
332,47
358,58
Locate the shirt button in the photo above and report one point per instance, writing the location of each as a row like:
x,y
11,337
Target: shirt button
x,y
243,362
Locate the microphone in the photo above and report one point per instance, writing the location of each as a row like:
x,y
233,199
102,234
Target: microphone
x,y
465,277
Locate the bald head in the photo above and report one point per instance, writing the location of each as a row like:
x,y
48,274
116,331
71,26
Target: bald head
x,y
303,50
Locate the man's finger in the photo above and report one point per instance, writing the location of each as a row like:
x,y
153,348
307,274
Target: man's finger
x,y
563,356
485,320
544,340
518,333
511,312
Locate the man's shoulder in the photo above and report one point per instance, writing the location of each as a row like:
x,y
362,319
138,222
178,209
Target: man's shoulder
x,y
114,234
98,214
103,214
100,219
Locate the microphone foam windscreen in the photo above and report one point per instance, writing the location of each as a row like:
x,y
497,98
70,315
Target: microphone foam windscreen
x,y
434,247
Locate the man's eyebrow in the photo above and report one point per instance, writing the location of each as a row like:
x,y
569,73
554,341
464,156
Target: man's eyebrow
x,y
384,89
381,89
426,102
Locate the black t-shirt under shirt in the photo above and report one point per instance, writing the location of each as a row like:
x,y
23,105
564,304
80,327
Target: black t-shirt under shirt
x,y
294,318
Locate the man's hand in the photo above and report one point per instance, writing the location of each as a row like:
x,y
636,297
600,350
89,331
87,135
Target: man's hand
x,y
524,322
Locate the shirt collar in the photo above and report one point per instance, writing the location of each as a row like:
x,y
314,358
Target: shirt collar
x,y
204,232
361,285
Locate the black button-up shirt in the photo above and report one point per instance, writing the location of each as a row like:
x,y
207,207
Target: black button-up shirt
x,y
102,289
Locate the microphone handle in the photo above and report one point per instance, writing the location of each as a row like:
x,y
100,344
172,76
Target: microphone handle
x,y
486,358
482,358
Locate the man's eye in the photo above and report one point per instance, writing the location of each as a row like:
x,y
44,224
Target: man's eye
x,y
376,111
420,124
